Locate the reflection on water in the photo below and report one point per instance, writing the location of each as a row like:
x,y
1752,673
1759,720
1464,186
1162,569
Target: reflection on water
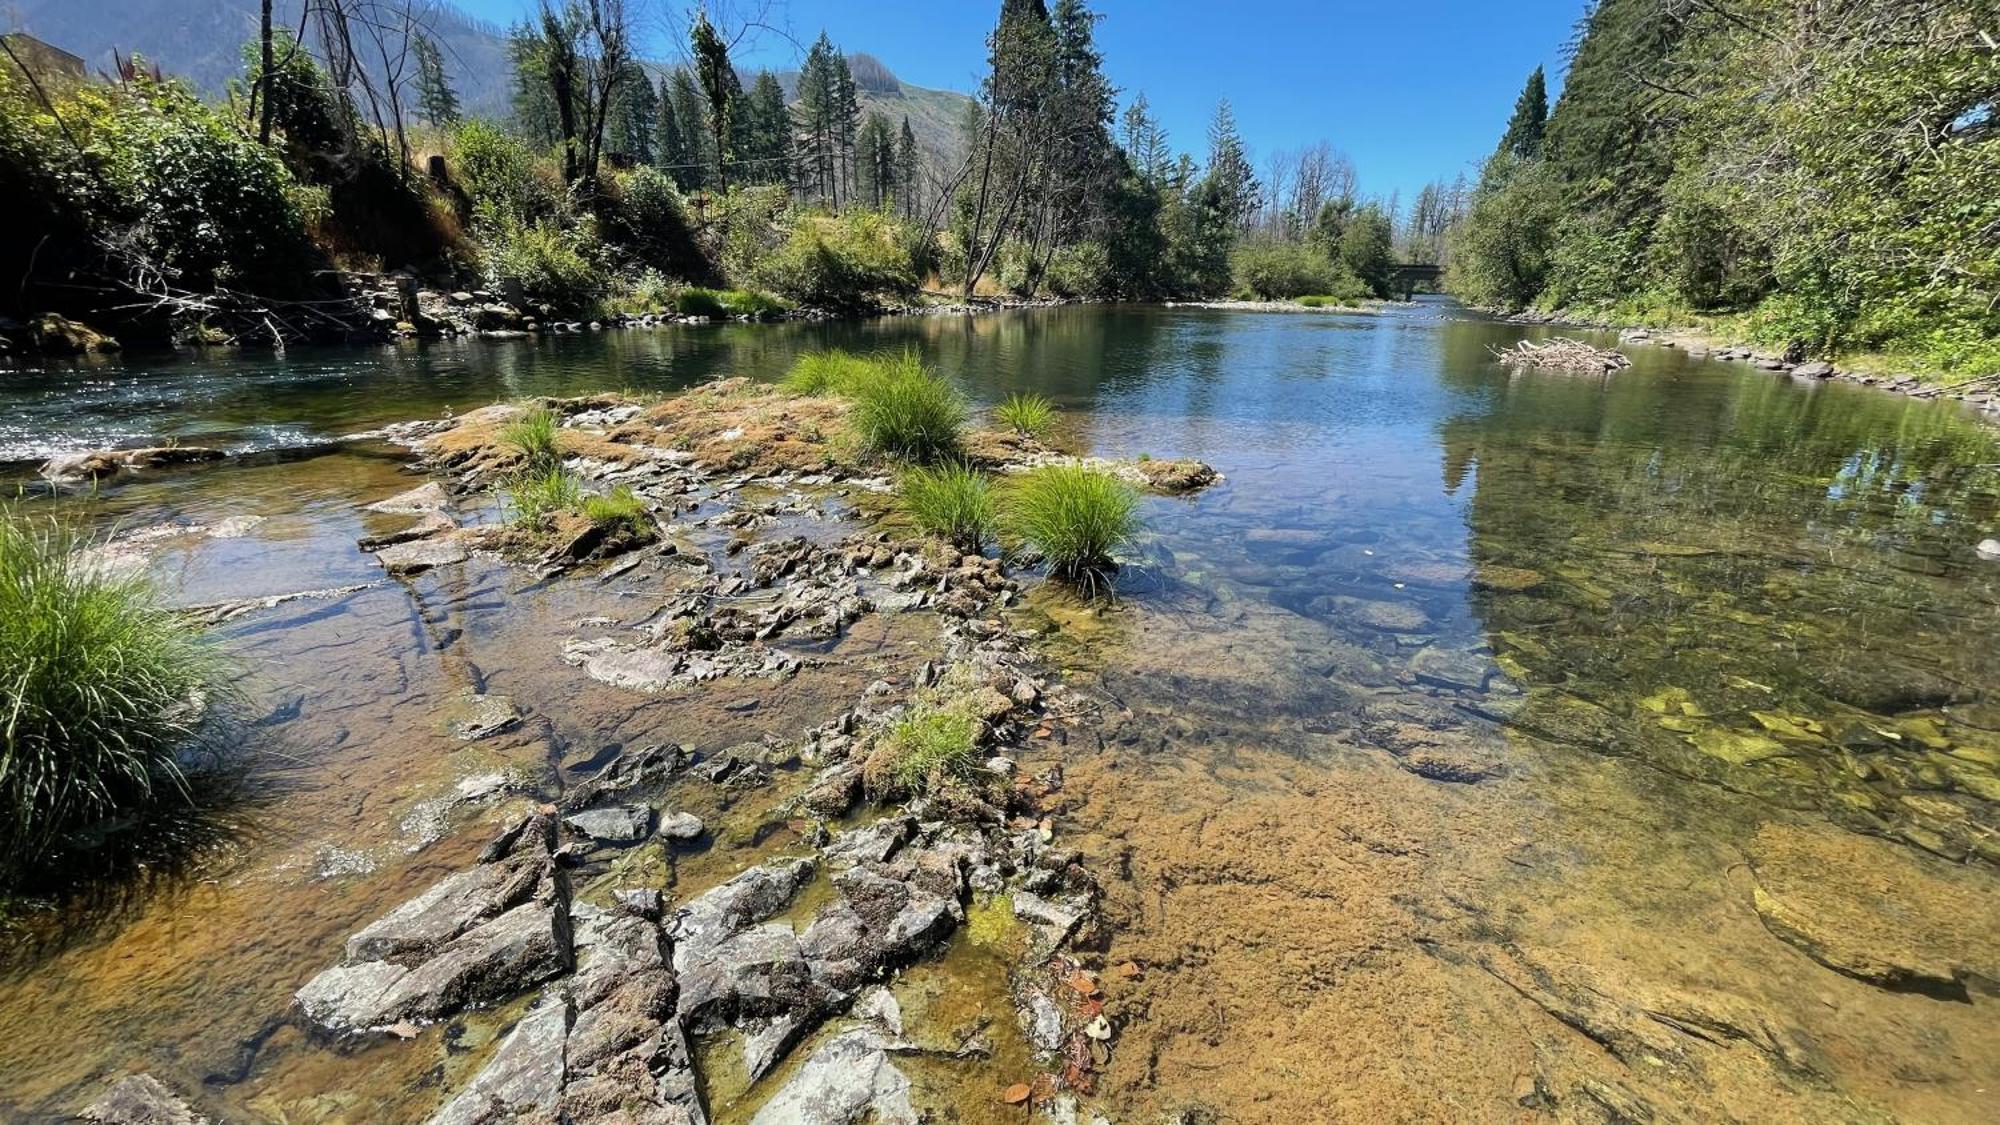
x,y
1452,754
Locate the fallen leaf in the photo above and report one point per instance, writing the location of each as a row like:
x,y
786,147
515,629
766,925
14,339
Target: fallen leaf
x,y
404,1029
1090,1008
1083,985
1017,1093
1043,732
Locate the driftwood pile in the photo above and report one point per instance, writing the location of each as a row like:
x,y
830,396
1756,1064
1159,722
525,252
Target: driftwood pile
x,y
1560,353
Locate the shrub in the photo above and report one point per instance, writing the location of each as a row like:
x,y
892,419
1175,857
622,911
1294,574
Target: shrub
x,y
107,696
647,292
904,410
930,744
1028,414
1074,516
1323,300
952,502
500,177
756,306
644,219
1082,270
535,435
553,264
845,264
1279,270
536,494
621,508
697,301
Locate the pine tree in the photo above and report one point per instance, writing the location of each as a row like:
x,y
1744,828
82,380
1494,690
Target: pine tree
x,y
720,84
672,152
436,101
766,136
1229,171
535,115
1523,137
846,116
691,116
907,170
1146,143
875,160
635,118
818,150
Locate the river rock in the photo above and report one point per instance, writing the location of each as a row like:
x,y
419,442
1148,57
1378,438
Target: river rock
x,y
1453,668
1507,579
1388,617
417,929
420,555
1988,549
1176,477
525,1075
107,462
141,1099
615,824
422,499
680,826
1877,911
833,791
850,1079
1818,369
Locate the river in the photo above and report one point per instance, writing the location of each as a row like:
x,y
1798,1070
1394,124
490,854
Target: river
x,y
1484,745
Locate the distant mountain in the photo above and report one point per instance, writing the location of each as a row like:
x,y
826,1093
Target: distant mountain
x,y
202,41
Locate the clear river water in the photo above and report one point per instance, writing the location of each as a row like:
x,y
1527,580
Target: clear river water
x,y
1486,745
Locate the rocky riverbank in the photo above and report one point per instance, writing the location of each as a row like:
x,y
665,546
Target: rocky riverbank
x,y
1981,394
778,990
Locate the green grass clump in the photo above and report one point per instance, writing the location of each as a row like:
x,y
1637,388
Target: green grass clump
x,y
757,306
534,495
534,434
832,372
952,501
930,744
1030,415
905,410
1322,300
1075,517
620,508
104,695
696,301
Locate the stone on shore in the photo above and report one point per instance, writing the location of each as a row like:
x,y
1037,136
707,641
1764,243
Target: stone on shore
x,y
141,1099
419,555
99,464
423,499
850,1079
525,1076
615,824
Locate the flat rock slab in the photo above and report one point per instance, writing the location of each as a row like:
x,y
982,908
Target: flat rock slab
x,y
1877,911
524,1076
1388,617
424,498
848,1080
141,1099
614,824
419,555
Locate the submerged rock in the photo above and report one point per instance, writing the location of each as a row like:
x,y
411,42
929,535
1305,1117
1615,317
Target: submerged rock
x,y
141,1099
419,555
525,1075
617,824
424,498
108,462
848,1080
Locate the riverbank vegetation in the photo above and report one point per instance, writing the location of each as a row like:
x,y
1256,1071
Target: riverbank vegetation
x,y
1074,517
110,700
1816,178
624,186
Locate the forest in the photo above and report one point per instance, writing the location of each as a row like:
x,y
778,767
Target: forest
x,y
1818,177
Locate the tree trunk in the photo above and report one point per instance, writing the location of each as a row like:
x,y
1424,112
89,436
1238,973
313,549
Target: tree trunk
x,y
263,88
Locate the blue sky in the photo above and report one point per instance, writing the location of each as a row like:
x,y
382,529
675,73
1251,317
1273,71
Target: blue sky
x,y
1411,90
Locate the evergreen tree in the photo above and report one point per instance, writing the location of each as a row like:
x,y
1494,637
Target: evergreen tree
x,y
436,101
690,114
875,161
635,121
1146,143
765,143
908,170
1235,184
722,88
818,154
846,116
673,153
1523,137
535,116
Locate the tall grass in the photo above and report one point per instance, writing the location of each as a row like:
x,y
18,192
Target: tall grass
x,y
930,744
621,507
534,434
952,502
104,695
903,409
831,372
1076,517
1030,415
534,495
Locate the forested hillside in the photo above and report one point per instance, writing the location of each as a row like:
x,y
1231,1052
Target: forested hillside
x,y
1824,176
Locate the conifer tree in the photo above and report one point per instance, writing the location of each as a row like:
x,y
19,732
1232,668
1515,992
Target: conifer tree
x,y
907,169
672,152
1229,172
1523,137
436,100
691,116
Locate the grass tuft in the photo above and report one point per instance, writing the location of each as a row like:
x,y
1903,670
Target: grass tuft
x,y
905,410
930,744
1075,517
534,495
621,508
831,372
952,501
1030,415
106,696
534,434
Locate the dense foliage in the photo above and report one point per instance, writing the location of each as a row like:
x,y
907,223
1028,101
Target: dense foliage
x,y
1826,172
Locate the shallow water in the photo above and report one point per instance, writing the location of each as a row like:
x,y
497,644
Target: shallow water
x,y
1445,749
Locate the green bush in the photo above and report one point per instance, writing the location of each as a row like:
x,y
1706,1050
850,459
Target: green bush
x,y
536,494
1081,270
756,306
697,301
1323,300
108,696
845,264
553,264
620,508
930,744
1075,516
952,502
643,218
905,410
501,177
1273,270
1030,415
535,435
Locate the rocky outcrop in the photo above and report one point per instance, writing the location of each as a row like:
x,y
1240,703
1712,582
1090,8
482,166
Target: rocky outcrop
x,y
477,937
848,1080
99,464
